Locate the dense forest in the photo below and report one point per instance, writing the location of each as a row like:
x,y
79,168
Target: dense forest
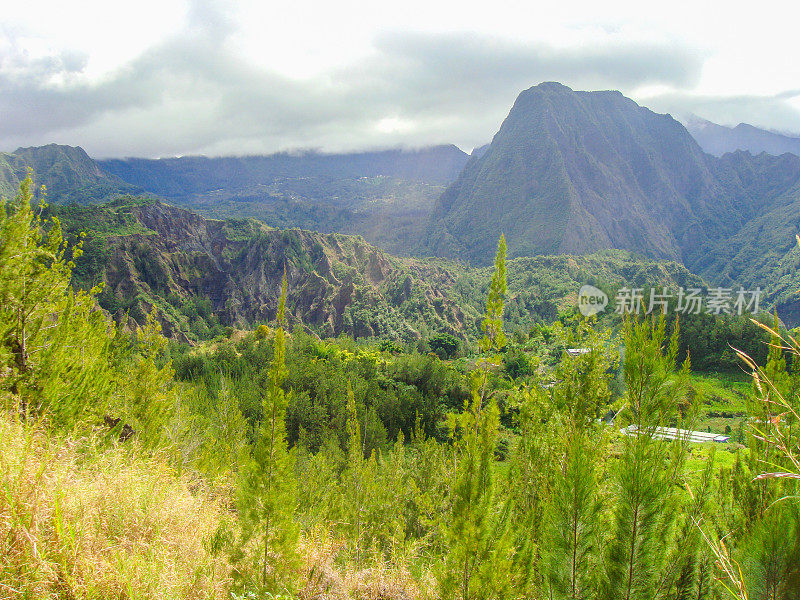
x,y
277,463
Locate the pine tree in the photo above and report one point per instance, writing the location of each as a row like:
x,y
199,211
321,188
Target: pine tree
x,y
574,513
535,465
477,562
649,470
769,548
575,522
692,565
353,478
53,341
582,390
267,494
144,390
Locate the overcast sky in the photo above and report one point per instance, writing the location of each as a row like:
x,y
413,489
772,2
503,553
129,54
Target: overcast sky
x,y
171,77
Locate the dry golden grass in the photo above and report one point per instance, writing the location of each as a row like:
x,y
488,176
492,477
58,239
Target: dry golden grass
x,y
322,579
75,523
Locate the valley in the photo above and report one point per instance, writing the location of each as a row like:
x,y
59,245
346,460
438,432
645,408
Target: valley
x,y
568,173
311,376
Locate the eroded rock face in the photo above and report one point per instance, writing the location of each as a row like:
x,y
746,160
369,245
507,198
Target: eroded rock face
x,y
155,256
337,284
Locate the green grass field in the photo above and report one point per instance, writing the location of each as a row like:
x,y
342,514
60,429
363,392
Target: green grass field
x,y
722,398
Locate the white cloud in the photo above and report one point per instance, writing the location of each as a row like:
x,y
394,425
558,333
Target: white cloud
x,y
167,77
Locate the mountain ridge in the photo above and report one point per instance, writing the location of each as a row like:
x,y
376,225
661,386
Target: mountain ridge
x,y
558,154
720,139
576,172
68,173
383,195
568,172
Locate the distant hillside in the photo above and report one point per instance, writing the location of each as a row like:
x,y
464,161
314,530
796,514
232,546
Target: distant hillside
x,y
202,274
718,139
764,252
187,175
569,172
67,172
385,196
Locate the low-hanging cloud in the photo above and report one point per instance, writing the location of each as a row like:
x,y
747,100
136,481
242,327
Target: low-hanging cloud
x,y
194,94
772,111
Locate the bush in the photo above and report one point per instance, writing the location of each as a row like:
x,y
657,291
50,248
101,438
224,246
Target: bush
x,y
444,345
518,364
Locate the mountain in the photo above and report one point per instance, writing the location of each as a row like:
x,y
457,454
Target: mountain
x,y
576,172
68,173
175,177
764,252
568,173
201,274
718,139
385,196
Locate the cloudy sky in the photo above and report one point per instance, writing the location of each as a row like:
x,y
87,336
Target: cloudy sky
x,y
174,77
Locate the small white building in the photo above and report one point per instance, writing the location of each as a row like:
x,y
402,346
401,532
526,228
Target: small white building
x,y
578,351
671,433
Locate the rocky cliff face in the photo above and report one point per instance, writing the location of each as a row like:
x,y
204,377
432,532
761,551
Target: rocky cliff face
x,y
575,172
337,284
197,272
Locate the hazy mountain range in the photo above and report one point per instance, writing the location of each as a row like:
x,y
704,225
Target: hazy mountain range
x,y
718,139
568,172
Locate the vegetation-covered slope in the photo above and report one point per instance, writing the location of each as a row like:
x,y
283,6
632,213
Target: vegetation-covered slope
x,y
574,172
202,274
385,196
285,466
68,173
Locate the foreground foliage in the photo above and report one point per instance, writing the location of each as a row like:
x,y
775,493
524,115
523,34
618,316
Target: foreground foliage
x,y
280,463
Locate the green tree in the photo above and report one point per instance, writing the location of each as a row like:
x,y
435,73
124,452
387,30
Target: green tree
x,y
477,564
444,345
144,387
692,575
354,478
574,521
53,341
649,471
574,515
267,493
769,548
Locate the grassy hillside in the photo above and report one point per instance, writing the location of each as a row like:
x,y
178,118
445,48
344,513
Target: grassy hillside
x,y
81,519
275,464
